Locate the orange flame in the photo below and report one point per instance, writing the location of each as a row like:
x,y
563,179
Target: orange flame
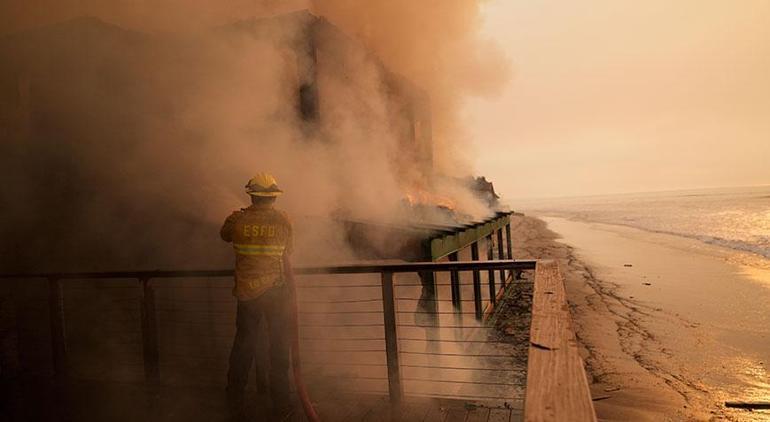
x,y
422,197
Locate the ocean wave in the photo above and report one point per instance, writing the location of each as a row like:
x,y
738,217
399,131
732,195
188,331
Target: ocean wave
x,y
737,245
762,249
737,218
733,244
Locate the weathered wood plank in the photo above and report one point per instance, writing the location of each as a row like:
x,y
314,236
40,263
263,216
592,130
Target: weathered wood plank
x,y
379,412
557,387
357,411
456,414
413,411
435,414
479,414
499,415
333,410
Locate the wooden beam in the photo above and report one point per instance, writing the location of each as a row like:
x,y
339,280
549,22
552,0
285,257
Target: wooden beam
x,y
58,331
445,244
476,282
455,284
395,389
408,267
557,386
150,350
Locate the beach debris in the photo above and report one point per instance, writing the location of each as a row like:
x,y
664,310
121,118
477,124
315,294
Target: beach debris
x,y
748,404
603,397
628,265
611,389
471,406
541,346
647,284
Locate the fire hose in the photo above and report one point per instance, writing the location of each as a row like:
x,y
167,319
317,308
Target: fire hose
x,y
304,397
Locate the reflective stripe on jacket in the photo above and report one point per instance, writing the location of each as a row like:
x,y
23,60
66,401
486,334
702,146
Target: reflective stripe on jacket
x,y
254,250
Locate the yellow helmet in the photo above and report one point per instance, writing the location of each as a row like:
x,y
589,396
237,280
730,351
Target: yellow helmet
x,y
263,184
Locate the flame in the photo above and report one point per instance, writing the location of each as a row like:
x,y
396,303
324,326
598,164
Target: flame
x,y
421,197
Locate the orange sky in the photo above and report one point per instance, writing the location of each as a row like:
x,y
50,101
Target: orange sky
x,y
623,96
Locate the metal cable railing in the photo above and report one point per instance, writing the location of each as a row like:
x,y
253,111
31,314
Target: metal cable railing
x,y
413,346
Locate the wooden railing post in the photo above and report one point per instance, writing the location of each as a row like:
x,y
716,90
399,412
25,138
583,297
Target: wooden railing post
x,y
429,293
557,385
150,351
491,273
509,247
455,284
58,328
500,254
476,281
391,339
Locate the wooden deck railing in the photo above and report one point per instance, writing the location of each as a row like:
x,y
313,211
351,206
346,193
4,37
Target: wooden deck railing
x,y
556,382
557,387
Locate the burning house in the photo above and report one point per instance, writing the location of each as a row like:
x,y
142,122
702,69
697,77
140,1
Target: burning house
x,y
126,145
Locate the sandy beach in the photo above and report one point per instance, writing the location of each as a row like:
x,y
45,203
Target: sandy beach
x,y
670,327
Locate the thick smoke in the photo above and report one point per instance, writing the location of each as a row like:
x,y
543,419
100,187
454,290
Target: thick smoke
x,y
434,43
129,129
147,119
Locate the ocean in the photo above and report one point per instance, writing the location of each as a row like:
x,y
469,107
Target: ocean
x,y
733,218
688,273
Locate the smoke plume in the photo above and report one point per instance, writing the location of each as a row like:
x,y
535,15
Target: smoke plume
x,y
129,128
133,130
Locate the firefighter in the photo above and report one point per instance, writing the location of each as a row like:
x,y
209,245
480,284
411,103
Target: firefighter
x,y
262,241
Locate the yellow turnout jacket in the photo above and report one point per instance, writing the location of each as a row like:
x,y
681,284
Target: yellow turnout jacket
x,y
261,237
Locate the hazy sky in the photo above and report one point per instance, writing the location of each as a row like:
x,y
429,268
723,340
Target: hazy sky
x,y
622,96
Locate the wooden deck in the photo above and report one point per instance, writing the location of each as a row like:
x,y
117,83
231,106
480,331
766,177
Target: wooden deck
x,y
86,401
415,410
557,387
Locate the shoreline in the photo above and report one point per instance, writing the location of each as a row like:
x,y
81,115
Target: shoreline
x,y
629,342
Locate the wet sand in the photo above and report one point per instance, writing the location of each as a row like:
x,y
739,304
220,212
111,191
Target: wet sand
x,y
670,328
